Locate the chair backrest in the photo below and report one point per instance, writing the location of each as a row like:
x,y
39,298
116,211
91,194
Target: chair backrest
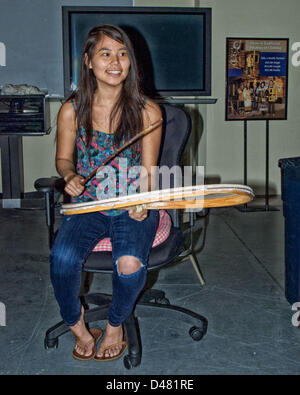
x,y
176,132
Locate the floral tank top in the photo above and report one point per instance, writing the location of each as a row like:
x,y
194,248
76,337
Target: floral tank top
x,y
119,177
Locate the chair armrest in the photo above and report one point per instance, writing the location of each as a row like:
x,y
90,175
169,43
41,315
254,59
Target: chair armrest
x,y
53,184
50,187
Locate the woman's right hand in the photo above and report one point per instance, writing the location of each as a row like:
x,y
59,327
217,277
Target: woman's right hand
x,y
74,185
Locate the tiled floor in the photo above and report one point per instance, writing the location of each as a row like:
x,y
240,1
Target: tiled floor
x,y
249,320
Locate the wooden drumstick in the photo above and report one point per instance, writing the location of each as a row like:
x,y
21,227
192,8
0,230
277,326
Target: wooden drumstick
x,y
129,142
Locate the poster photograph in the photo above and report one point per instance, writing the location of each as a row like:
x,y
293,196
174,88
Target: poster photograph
x,y
256,79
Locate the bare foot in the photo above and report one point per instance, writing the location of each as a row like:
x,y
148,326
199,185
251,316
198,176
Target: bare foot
x,y
113,335
83,337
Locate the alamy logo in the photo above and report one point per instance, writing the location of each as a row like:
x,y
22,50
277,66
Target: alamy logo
x,y
296,55
2,54
124,180
2,314
295,317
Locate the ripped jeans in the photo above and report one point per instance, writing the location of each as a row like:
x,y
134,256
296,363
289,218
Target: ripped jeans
x,y
77,236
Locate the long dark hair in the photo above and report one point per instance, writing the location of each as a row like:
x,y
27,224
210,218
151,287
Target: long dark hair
x,y
131,100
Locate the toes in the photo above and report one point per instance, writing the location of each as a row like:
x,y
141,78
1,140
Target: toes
x,y
81,351
111,352
84,350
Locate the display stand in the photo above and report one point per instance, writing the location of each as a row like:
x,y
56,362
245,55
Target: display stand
x,y
12,171
20,115
266,207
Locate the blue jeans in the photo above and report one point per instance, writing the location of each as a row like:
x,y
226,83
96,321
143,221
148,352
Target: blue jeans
x,y
77,236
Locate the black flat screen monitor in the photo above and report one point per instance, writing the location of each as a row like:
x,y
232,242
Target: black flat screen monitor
x,y
172,46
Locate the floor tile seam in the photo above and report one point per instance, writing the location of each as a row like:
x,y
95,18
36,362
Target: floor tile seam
x,y
213,288
264,340
34,332
262,347
254,256
221,367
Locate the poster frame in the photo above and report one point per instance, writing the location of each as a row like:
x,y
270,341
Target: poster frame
x,y
227,78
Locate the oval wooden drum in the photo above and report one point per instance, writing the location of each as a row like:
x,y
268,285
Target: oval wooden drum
x,y
192,197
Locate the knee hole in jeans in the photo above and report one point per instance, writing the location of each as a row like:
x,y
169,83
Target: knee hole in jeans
x,y
128,264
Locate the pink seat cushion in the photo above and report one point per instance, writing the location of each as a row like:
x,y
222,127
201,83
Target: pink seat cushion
x,y
162,233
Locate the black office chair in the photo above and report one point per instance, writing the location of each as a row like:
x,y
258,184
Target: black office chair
x,y
176,131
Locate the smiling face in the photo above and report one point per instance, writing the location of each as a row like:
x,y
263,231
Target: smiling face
x,y
109,62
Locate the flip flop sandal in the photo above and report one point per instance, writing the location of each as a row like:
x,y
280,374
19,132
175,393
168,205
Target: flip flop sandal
x,y
105,359
97,334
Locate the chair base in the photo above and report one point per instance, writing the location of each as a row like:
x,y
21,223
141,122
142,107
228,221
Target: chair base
x,y
144,308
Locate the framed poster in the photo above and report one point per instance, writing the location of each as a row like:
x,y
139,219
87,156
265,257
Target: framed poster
x,y
256,78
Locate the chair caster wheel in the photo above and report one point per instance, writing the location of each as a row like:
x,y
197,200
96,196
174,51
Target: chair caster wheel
x,y
127,362
50,343
131,361
196,333
162,301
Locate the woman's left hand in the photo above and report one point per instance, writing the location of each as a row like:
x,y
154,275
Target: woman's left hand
x,y
138,215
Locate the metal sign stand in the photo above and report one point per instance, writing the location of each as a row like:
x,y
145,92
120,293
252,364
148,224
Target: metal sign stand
x,y
266,207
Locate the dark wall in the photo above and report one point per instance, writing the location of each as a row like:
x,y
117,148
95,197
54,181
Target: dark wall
x,y
31,31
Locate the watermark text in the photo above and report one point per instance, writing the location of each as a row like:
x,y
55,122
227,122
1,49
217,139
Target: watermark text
x,y
2,314
296,55
295,317
2,54
124,180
